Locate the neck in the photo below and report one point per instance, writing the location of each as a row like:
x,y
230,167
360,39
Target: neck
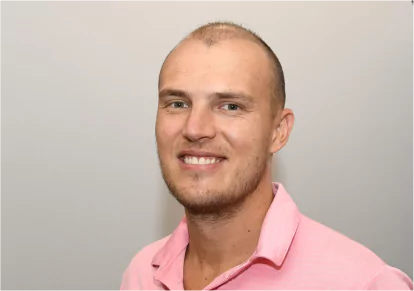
x,y
219,243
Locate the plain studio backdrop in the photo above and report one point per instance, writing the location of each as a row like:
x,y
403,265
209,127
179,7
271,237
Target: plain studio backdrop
x,y
82,191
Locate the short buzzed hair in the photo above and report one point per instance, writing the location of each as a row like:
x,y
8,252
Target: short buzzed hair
x,y
214,32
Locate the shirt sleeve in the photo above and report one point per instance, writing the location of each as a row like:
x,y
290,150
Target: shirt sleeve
x,y
390,278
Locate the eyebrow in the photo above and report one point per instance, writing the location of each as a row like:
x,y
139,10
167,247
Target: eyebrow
x,y
231,95
173,92
228,95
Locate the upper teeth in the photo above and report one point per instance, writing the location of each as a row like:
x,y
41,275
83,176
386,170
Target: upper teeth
x,y
200,161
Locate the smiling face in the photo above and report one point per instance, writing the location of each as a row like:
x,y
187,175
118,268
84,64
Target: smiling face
x,y
214,126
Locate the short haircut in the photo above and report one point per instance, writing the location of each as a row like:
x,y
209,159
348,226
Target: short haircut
x,y
214,32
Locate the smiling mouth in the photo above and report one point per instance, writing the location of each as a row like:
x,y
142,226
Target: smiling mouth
x,y
191,160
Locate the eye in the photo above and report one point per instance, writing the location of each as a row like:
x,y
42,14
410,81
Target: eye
x,y
178,104
230,107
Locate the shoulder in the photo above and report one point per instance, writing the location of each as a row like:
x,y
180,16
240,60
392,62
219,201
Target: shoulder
x,y
389,278
327,242
140,267
147,253
349,263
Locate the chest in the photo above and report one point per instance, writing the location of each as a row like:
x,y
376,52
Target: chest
x,y
259,276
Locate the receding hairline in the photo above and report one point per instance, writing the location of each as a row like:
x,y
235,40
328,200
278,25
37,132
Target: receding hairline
x,y
215,32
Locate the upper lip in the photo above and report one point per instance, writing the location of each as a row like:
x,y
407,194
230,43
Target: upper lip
x,y
194,153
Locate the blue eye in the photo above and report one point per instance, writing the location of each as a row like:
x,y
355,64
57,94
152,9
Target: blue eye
x,y
231,107
178,104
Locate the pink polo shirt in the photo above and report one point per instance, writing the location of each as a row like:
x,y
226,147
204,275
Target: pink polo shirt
x,y
294,252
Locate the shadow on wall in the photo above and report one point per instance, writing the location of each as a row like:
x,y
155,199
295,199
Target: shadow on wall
x,y
279,173
172,211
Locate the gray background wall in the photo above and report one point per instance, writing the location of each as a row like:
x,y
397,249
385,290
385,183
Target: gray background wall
x,y
81,188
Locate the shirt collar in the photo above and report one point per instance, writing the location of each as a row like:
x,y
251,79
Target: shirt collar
x,y
278,230
279,227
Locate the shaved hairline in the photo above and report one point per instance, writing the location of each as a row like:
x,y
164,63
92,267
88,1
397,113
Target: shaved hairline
x,y
215,32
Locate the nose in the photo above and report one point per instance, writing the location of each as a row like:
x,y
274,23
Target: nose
x,y
199,124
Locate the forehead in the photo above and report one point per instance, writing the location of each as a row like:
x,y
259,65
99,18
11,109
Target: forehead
x,y
236,64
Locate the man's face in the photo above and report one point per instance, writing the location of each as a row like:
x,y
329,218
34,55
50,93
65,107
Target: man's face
x,y
214,123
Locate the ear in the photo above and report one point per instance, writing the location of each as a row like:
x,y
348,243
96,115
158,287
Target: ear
x,y
283,124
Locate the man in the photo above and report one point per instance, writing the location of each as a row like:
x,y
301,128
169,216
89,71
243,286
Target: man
x,y
221,117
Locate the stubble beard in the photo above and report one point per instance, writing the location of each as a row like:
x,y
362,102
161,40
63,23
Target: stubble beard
x,y
210,203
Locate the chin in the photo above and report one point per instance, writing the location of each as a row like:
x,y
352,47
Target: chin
x,y
210,201
197,192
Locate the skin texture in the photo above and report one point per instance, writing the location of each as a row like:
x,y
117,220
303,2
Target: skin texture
x,y
215,100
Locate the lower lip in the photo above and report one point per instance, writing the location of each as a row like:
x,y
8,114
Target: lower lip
x,y
208,167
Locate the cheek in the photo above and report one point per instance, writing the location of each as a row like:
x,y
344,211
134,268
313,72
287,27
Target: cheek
x,y
167,130
239,138
247,136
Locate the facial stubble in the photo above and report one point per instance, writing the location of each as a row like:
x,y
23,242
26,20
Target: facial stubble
x,y
213,202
